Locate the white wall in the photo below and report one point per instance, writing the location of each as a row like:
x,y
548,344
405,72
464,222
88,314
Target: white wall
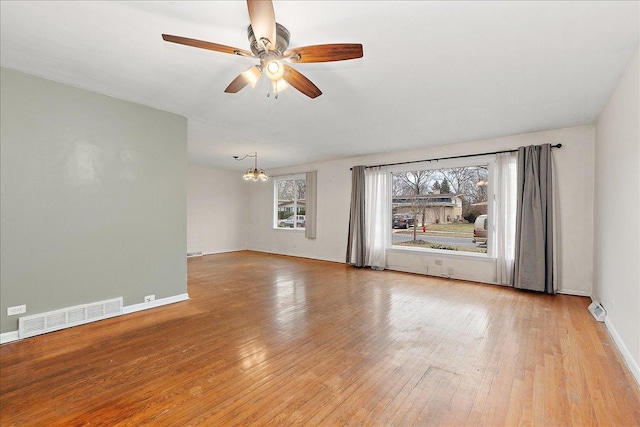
x,y
574,166
617,237
217,210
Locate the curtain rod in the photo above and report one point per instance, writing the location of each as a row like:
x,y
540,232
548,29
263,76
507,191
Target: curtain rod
x,y
451,157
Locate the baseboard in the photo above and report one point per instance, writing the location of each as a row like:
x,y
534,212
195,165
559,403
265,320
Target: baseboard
x,y
575,292
11,336
153,304
626,354
222,251
466,278
315,257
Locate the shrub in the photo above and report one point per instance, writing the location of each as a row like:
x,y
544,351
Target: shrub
x,y
284,215
471,216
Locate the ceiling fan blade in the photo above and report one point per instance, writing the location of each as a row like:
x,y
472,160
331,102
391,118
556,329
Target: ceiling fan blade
x,y
300,82
325,52
206,45
237,84
263,21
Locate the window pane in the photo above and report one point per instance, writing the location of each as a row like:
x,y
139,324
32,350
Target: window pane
x,y
300,188
290,203
438,208
285,190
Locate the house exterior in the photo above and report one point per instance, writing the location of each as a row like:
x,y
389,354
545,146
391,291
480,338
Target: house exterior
x,y
479,208
289,206
430,208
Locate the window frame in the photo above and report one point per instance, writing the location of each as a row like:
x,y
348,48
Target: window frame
x,y
275,220
490,161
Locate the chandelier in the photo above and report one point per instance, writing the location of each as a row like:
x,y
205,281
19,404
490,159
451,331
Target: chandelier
x,y
254,174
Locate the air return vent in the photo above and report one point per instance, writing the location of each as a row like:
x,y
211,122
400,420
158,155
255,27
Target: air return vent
x,y
597,311
37,324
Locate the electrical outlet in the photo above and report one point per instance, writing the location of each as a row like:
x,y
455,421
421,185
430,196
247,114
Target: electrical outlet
x,y
17,309
450,271
149,298
438,262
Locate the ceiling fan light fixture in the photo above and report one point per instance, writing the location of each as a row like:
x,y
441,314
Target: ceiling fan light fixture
x,y
274,70
269,43
279,85
252,75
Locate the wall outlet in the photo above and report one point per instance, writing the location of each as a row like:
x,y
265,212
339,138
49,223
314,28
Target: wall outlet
x,y
149,298
438,262
450,271
17,309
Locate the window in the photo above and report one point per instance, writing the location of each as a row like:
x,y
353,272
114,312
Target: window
x,y
290,202
445,208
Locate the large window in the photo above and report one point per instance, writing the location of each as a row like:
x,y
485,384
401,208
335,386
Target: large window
x,y
445,208
290,202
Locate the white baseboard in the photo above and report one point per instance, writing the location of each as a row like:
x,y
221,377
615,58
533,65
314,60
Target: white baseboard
x,y
153,304
576,292
10,336
222,251
296,255
626,354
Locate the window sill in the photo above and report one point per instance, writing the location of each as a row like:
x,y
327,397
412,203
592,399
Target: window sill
x,y
442,253
287,229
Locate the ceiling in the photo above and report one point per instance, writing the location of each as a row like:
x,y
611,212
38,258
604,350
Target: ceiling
x,y
433,72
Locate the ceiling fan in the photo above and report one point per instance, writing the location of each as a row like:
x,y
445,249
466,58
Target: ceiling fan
x,y
269,42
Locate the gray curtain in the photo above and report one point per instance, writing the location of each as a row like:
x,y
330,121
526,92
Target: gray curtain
x,y
310,208
356,237
534,257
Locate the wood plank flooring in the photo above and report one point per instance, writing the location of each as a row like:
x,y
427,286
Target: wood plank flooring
x,y
275,340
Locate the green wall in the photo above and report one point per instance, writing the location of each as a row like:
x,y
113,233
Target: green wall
x,y
93,198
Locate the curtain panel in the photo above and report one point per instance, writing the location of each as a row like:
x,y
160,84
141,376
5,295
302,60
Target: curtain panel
x,y
377,217
356,243
505,216
311,206
534,263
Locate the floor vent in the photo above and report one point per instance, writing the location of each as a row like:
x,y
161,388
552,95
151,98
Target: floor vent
x,y
37,324
597,311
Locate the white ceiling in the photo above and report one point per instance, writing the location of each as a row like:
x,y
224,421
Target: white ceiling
x,y
432,73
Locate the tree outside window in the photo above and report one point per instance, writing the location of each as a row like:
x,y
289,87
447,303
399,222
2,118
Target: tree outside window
x,y
290,202
444,204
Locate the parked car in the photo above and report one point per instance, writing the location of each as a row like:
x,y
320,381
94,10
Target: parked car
x,y
480,228
289,221
402,221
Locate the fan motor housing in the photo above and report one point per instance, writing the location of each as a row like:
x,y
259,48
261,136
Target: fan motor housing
x,y
282,41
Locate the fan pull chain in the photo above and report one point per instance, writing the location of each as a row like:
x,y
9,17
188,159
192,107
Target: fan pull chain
x,y
275,88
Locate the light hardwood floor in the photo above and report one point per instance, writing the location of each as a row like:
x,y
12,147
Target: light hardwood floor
x,y
269,339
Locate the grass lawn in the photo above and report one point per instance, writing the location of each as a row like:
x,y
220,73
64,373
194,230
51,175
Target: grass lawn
x,y
452,230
